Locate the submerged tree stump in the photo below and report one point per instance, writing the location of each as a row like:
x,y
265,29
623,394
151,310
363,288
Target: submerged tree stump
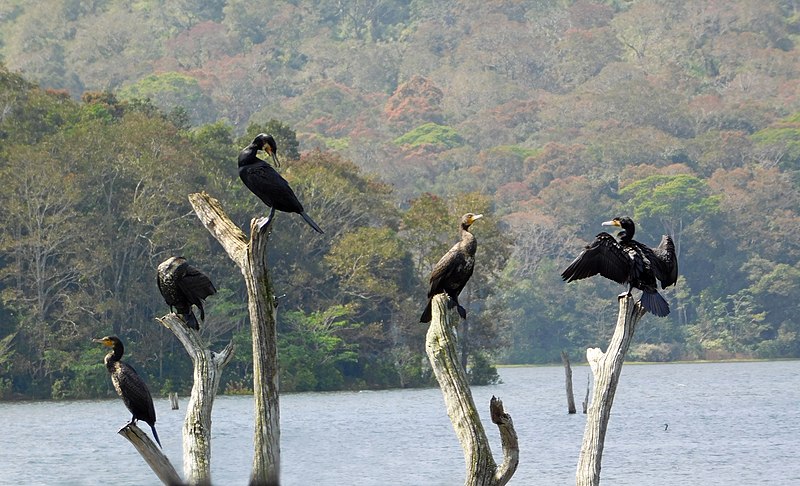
x,y
568,372
606,368
440,345
208,368
151,454
250,255
585,402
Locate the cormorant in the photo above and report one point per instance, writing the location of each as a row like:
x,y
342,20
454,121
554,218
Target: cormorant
x,y
266,183
626,261
182,285
454,269
129,385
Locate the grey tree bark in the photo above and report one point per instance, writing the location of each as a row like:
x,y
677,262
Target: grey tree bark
x,y
440,345
208,368
568,372
606,368
250,255
151,454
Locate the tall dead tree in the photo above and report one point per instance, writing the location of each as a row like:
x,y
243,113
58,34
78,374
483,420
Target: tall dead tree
x,y
440,344
208,368
606,368
568,372
250,255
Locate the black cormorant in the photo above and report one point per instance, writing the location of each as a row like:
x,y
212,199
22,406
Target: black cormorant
x,y
266,183
129,385
183,285
454,269
626,261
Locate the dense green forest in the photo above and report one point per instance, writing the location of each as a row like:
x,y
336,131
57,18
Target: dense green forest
x,y
393,118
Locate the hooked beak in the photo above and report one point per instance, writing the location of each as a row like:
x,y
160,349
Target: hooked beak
x,y
475,218
103,341
613,222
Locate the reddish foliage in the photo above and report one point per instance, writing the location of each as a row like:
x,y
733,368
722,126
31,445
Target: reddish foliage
x,y
414,102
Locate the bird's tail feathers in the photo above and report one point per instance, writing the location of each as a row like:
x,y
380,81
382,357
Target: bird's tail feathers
x,y
654,303
191,320
155,435
312,223
427,314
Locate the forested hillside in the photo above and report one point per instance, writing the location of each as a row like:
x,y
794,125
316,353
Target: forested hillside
x,y
393,118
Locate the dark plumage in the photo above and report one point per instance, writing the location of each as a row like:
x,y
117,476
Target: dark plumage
x,y
266,183
626,261
182,286
129,385
454,269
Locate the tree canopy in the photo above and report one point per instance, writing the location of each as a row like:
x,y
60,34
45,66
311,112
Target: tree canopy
x,y
392,120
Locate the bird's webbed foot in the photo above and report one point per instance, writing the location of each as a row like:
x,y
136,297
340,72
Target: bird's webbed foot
x,y
263,222
624,295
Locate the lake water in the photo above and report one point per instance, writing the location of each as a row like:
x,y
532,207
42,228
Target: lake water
x,y
729,423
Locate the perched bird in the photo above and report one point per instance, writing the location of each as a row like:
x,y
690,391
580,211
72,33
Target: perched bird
x,y
182,285
266,183
454,269
626,261
129,385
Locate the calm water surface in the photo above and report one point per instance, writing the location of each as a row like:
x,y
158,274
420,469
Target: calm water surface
x,y
729,423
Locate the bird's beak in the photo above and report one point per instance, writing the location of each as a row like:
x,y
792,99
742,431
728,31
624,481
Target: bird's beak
x,y
275,158
613,222
475,218
102,341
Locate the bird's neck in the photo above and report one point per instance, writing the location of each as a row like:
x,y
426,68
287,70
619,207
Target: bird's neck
x,y
248,155
115,355
466,236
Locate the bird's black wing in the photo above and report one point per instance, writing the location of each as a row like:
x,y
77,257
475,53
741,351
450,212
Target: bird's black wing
x,y
449,267
665,263
604,256
196,285
134,393
270,187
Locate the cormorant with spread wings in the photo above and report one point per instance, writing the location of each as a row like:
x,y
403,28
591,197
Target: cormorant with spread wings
x,y
626,261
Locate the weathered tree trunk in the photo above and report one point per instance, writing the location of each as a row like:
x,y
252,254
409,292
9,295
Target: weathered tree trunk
x,y
208,368
251,258
606,368
440,344
570,394
151,454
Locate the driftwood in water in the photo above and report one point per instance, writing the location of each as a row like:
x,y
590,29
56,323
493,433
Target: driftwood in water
x,y
173,400
250,255
570,394
208,368
606,368
152,454
440,344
